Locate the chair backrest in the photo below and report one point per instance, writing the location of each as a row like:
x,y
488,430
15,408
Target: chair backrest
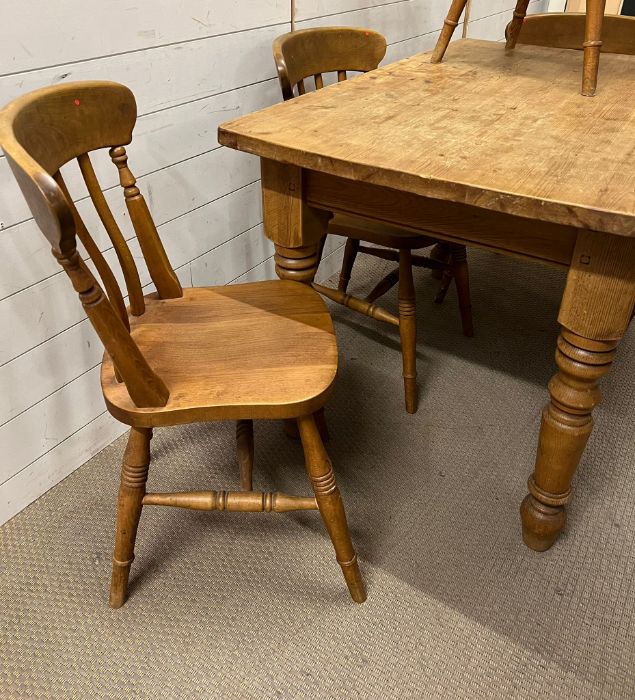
x,y
613,7
39,133
566,31
312,52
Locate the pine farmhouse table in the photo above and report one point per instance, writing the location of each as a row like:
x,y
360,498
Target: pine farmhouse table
x,y
492,149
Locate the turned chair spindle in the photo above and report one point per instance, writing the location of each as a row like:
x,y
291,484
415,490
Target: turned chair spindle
x,y
312,53
591,41
567,31
167,360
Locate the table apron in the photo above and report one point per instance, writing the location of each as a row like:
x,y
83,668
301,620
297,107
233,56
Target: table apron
x,y
463,223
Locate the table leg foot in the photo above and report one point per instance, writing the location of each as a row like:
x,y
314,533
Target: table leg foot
x,y
541,523
564,431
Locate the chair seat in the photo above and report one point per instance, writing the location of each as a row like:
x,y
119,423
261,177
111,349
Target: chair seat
x,y
379,233
261,350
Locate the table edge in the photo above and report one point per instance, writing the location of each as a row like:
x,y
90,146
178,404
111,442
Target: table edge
x,y
552,211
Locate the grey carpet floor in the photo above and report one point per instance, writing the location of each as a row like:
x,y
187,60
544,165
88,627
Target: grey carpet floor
x,y
254,606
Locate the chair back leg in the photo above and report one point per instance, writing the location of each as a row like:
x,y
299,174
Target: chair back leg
x,y
383,286
291,426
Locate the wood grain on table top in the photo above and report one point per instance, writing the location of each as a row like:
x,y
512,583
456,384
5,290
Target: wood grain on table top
x,y
506,131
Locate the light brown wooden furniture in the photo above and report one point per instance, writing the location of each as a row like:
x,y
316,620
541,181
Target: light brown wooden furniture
x,y
243,352
309,54
566,30
439,156
613,7
592,43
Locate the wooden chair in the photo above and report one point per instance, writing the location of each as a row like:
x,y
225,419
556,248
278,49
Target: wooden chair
x,y
253,351
566,31
590,40
310,53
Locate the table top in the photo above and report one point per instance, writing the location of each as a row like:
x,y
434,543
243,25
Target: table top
x,y
504,130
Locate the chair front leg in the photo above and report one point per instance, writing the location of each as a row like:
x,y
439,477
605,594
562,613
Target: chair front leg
x,y
330,504
291,426
134,473
458,271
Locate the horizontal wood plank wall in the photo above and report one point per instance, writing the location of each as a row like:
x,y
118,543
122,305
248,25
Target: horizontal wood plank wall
x,y
488,18
191,67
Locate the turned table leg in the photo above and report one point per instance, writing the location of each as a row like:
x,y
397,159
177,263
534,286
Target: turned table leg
x,y
350,253
596,309
245,450
300,265
296,229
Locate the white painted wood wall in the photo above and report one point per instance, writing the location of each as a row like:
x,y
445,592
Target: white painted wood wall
x,y
191,65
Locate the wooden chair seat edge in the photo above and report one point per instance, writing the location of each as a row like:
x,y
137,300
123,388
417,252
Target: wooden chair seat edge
x,y
378,233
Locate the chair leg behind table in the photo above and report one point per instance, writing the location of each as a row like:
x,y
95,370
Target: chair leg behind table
x,y
350,253
134,474
291,426
458,271
408,329
461,275
594,314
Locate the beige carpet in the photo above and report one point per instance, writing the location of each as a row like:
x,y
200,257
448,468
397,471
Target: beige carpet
x,y
231,606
